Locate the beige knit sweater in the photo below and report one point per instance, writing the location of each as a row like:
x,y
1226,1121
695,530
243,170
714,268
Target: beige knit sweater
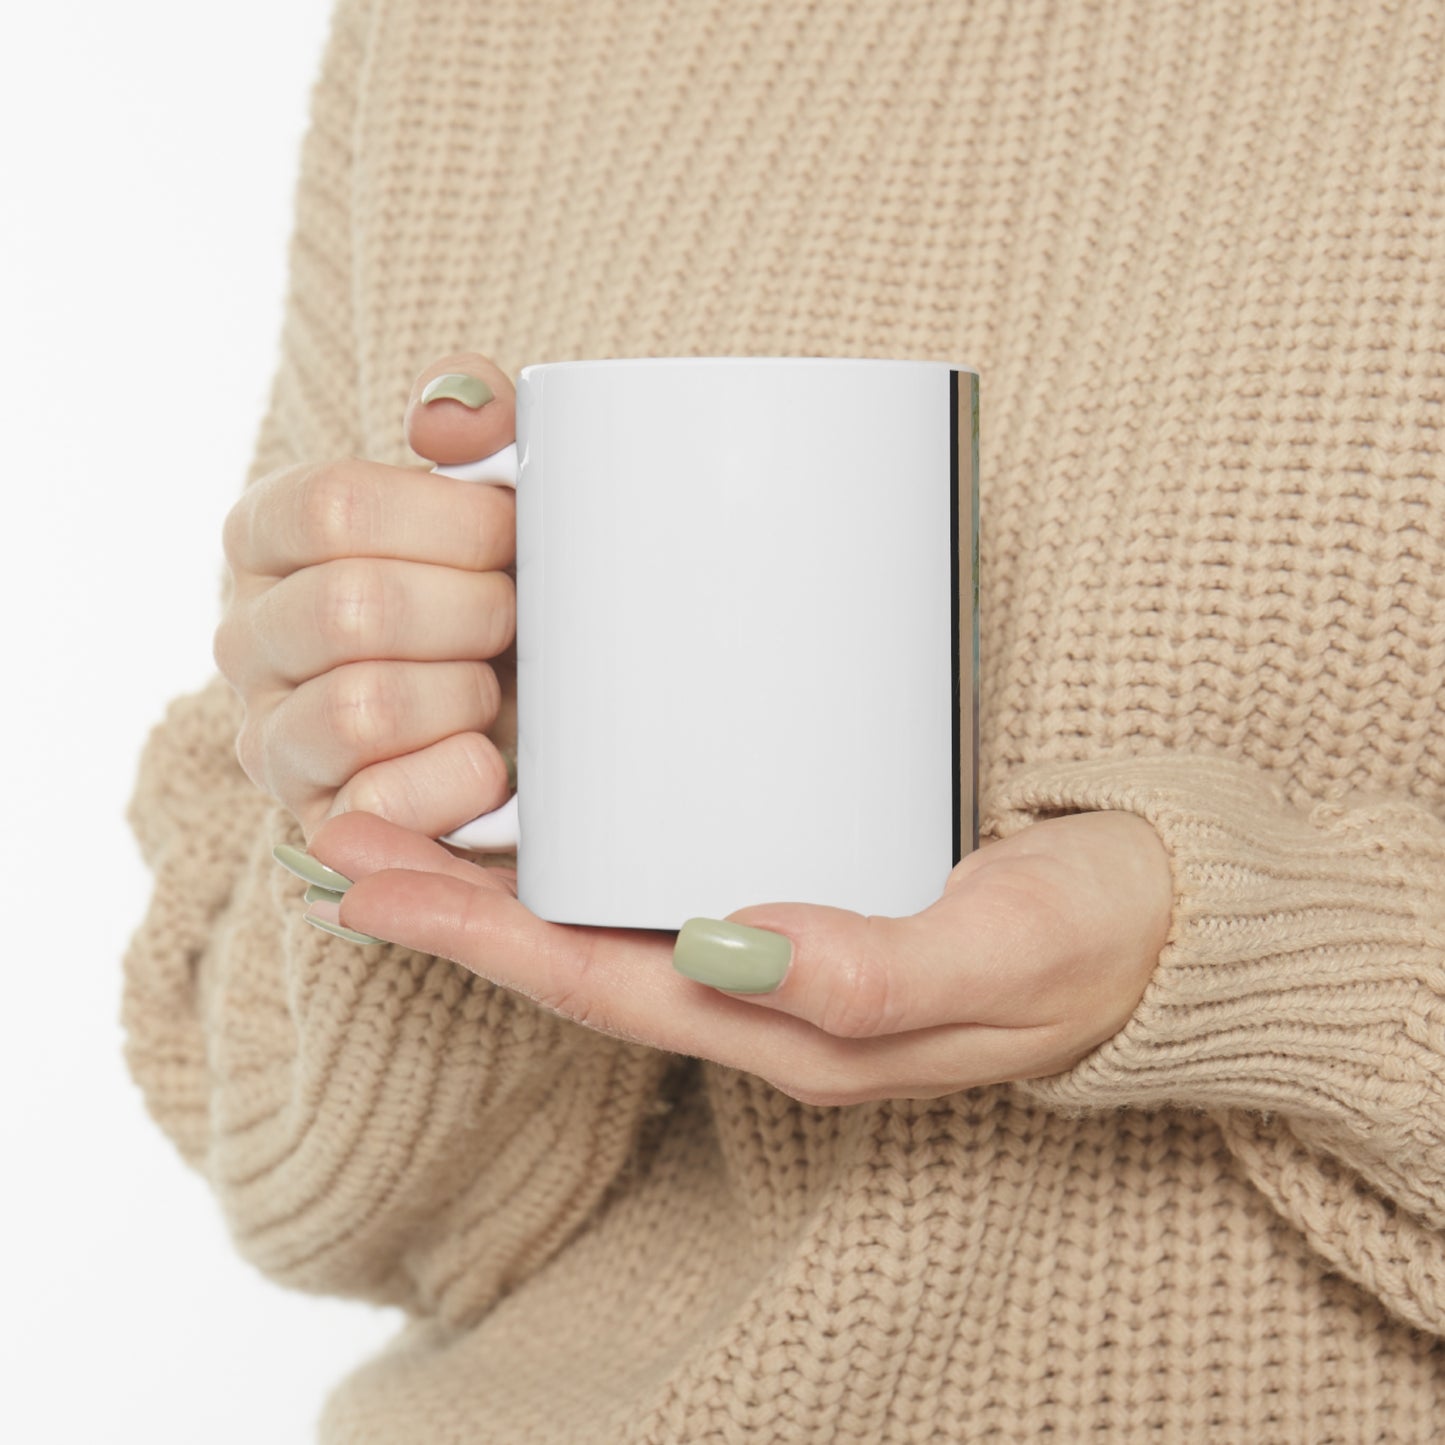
x,y
1198,251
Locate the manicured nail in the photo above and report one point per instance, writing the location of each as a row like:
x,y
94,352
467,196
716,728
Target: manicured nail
x,y
509,756
349,934
732,955
323,895
471,391
305,867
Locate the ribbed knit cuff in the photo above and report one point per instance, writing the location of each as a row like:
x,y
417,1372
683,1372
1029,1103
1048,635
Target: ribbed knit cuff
x,y
1305,967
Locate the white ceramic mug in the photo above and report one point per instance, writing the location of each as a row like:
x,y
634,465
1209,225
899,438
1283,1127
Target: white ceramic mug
x,y
747,636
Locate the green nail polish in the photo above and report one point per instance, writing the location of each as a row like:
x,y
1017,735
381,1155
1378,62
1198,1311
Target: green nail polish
x,y
349,934
732,955
305,867
471,391
322,895
509,757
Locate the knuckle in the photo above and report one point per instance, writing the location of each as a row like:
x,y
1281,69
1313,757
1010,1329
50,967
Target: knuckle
x,y
235,531
493,513
480,771
332,508
224,646
861,998
354,608
386,792
250,752
574,999
576,1006
362,709
253,510
502,614
489,692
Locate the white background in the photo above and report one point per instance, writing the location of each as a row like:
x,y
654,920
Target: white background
x,y
147,158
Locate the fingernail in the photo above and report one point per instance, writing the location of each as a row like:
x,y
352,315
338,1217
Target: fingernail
x,y
323,895
471,391
349,934
305,867
732,955
509,756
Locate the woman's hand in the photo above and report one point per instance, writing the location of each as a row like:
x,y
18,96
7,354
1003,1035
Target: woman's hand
x,y
1038,951
366,598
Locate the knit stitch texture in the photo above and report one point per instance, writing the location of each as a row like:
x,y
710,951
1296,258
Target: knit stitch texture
x,y
1198,253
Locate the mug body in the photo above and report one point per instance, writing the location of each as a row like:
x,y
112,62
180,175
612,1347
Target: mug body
x,y
746,635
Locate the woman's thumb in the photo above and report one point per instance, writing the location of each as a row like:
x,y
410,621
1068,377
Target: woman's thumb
x,y
462,408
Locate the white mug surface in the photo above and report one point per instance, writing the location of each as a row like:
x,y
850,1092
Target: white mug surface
x,y
747,613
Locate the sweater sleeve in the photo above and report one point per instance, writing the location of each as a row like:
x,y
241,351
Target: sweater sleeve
x,y
374,1122
1299,1000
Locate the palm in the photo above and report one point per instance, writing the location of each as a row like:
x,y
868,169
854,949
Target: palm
x,y
1036,951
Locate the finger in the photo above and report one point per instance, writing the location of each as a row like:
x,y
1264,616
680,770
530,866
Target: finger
x,y
433,790
365,608
852,975
358,844
620,981
301,516
462,408
329,729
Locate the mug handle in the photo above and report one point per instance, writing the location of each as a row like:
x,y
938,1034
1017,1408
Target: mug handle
x,y
500,829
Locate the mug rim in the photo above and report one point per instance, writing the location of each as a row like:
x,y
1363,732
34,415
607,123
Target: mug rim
x,y
581,363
